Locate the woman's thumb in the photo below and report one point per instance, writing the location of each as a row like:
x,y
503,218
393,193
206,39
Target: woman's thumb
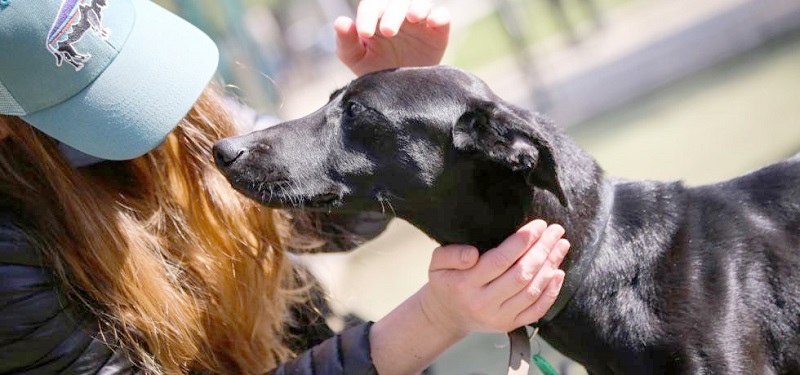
x,y
454,257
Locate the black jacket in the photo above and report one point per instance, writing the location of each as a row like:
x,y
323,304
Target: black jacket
x,y
42,333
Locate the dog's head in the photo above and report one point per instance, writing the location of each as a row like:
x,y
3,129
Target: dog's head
x,y
397,139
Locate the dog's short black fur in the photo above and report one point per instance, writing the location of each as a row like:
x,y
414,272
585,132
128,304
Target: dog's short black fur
x,y
700,280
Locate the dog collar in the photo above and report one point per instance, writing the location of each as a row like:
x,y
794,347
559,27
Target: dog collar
x,y
519,359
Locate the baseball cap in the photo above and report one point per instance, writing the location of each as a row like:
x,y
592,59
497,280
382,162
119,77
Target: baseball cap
x,y
110,78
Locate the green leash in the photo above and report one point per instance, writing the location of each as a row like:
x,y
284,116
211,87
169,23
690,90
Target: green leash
x,y
541,363
545,367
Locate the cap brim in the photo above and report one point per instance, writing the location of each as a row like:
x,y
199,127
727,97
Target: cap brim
x,y
142,95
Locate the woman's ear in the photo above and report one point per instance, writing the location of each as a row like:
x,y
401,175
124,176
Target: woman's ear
x,y
499,134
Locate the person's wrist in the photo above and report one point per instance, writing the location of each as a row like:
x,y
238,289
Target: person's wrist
x,y
438,317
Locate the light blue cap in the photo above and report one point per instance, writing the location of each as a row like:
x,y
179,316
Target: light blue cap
x,y
110,78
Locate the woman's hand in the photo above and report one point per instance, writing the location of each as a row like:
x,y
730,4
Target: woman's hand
x,y
510,286
392,33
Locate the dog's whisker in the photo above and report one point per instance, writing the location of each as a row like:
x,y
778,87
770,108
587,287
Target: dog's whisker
x,y
383,208
383,199
296,191
395,197
391,207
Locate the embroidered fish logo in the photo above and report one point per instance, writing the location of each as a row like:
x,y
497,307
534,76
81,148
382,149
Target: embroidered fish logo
x,y
74,19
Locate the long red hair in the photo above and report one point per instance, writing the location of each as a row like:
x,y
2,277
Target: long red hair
x,y
179,269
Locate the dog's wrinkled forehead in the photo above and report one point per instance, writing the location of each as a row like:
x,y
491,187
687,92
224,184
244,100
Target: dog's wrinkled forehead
x,y
442,87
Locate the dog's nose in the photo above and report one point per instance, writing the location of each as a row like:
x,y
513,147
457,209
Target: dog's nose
x,y
226,152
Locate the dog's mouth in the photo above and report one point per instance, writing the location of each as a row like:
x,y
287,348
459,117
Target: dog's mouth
x,y
289,194
325,200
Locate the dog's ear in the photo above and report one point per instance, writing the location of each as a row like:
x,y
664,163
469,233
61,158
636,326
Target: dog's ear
x,y
502,135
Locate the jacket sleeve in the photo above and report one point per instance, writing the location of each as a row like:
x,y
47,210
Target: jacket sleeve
x,y
345,353
41,333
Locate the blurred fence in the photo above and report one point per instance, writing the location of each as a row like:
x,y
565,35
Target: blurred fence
x,y
268,46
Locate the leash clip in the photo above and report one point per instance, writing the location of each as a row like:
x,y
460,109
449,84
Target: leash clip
x,y
532,339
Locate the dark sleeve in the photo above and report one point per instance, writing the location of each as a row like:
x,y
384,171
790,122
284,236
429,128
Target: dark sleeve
x,y
40,333
307,325
346,353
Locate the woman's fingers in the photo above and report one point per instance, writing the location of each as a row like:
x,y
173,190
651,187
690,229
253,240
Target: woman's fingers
x,y
348,45
558,253
497,261
526,280
544,302
393,17
418,10
537,288
388,16
439,18
367,15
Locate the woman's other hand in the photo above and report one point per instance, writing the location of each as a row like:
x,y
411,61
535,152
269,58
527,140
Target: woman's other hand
x,y
510,286
392,33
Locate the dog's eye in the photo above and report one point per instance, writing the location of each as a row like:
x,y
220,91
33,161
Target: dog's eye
x,y
352,109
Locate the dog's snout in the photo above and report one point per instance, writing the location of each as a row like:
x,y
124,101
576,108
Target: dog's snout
x,y
227,151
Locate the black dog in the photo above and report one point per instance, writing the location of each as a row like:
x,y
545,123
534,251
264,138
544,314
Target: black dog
x,y
664,278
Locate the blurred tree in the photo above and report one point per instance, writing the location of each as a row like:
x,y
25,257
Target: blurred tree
x,y
252,49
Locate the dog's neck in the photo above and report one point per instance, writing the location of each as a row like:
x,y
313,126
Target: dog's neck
x,y
473,203
489,210
579,267
485,211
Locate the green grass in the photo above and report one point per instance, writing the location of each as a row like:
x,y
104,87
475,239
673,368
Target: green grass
x,y
487,40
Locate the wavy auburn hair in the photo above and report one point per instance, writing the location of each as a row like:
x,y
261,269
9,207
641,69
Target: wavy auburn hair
x,y
179,269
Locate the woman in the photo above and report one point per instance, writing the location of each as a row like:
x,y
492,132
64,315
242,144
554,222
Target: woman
x,y
123,250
